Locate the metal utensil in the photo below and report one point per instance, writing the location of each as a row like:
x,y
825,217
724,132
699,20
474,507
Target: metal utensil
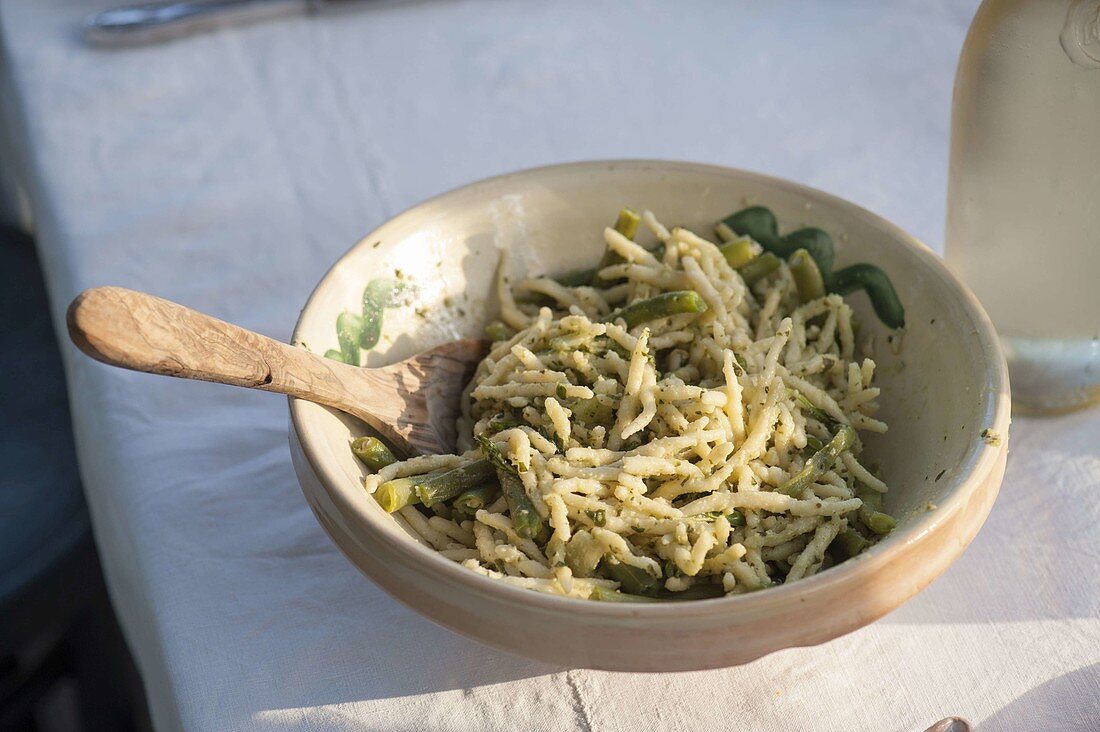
x,y
951,724
154,22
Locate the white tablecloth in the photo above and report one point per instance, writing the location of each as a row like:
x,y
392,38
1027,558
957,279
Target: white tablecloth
x,y
228,171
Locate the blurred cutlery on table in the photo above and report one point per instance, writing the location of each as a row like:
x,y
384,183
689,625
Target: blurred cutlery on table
x,y
154,22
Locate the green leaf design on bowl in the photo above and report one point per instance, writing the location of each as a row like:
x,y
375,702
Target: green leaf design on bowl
x,y
349,326
358,332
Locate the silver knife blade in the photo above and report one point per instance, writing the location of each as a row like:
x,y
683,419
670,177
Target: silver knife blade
x,y
155,22
951,724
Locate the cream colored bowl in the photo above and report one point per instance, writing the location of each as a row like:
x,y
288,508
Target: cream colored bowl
x,y
945,386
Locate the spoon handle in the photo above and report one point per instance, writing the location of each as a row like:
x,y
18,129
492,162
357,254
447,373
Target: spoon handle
x,y
141,332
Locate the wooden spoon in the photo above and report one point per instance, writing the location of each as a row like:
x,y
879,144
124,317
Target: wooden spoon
x,y
413,404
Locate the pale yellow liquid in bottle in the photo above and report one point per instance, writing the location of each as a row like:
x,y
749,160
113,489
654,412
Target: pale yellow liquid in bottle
x,y
1023,223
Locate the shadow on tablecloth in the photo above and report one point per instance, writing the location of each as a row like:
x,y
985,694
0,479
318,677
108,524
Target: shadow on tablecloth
x,y
1069,701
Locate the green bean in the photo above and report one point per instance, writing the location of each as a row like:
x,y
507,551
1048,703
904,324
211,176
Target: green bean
x,y
814,443
849,543
759,268
632,579
525,517
627,223
602,594
659,306
454,482
808,451
881,292
872,515
372,452
349,327
757,222
493,453
738,252
807,276
879,522
432,487
736,518
821,461
760,223
474,498
400,492
816,242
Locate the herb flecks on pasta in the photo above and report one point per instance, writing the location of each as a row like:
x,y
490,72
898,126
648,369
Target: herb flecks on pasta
x,y
681,422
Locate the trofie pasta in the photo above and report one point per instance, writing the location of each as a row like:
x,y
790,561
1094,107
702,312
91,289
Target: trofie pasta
x,y
681,422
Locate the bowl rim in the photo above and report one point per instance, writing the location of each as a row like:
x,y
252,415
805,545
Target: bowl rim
x,y
981,462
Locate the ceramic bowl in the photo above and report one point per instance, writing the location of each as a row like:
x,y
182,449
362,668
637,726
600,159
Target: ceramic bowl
x,y
945,384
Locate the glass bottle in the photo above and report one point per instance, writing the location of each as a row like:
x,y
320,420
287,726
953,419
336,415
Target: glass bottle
x,y
1023,212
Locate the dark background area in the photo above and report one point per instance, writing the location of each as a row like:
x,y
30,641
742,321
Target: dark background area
x,y
63,662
